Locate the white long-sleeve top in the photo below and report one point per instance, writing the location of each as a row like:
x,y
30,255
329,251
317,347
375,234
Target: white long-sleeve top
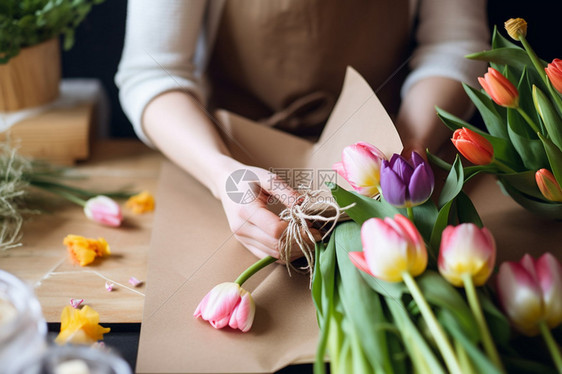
x,y
168,45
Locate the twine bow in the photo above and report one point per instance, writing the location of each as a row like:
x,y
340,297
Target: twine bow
x,y
310,209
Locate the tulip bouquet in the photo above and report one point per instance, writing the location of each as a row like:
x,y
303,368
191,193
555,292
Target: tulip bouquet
x,y
416,298
521,106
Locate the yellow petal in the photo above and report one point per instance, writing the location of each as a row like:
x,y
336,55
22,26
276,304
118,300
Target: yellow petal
x,y
80,326
141,203
84,250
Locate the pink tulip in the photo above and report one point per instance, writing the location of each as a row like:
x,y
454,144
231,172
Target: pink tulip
x,y
530,292
390,248
227,304
360,166
103,210
466,249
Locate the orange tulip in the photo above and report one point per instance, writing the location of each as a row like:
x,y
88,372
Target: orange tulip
x,y
548,185
554,72
500,89
474,147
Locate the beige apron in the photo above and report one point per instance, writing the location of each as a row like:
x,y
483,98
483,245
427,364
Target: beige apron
x,y
284,61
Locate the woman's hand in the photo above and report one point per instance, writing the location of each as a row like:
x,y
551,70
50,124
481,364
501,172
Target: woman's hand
x,y
252,223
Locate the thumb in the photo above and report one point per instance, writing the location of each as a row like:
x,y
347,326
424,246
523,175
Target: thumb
x,y
278,189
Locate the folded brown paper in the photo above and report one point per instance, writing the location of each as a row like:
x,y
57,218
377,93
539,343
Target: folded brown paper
x,y
192,250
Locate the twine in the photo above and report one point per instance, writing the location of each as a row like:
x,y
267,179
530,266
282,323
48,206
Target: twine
x,y
307,211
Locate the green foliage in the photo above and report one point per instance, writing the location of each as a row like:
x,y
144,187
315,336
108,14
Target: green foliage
x,y
24,23
525,139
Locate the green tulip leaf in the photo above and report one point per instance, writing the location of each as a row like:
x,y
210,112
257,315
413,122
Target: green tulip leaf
x,y
528,146
525,182
440,293
515,57
554,155
420,352
424,217
550,210
440,163
471,171
453,184
550,117
499,41
481,362
365,317
526,97
497,322
440,223
466,211
323,280
494,120
364,207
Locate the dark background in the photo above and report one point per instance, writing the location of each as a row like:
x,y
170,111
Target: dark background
x,y
99,41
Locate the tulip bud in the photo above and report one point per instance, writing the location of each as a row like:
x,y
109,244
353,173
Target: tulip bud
x,y
466,248
406,183
390,248
103,210
227,304
500,89
554,73
516,27
474,147
360,166
531,292
548,185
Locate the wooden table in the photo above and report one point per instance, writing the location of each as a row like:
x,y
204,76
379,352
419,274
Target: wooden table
x,y
43,262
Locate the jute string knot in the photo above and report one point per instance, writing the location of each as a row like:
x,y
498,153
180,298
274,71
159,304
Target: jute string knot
x,y
311,209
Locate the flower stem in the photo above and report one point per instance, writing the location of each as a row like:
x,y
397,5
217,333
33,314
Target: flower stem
x,y
552,347
47,184
253,269
75,199
502,166
534,59
438,334
528,120
474,303
410,211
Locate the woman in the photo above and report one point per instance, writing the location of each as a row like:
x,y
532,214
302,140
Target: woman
x,y
259,57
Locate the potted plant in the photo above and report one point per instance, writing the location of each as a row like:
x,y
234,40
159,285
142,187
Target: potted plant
x,y
30,67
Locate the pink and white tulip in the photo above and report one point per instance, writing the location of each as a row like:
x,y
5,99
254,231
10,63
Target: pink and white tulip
x,y
530,292
390,248
104,210
360,166
227,304
466,249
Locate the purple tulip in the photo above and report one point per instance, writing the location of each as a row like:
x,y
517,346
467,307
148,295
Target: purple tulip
x,y
406,183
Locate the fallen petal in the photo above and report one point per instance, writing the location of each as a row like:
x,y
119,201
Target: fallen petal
x,y
109,286
76,303
134,281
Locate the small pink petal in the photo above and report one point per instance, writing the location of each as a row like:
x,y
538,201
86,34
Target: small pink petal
x,y
134,281
76,303
109,286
